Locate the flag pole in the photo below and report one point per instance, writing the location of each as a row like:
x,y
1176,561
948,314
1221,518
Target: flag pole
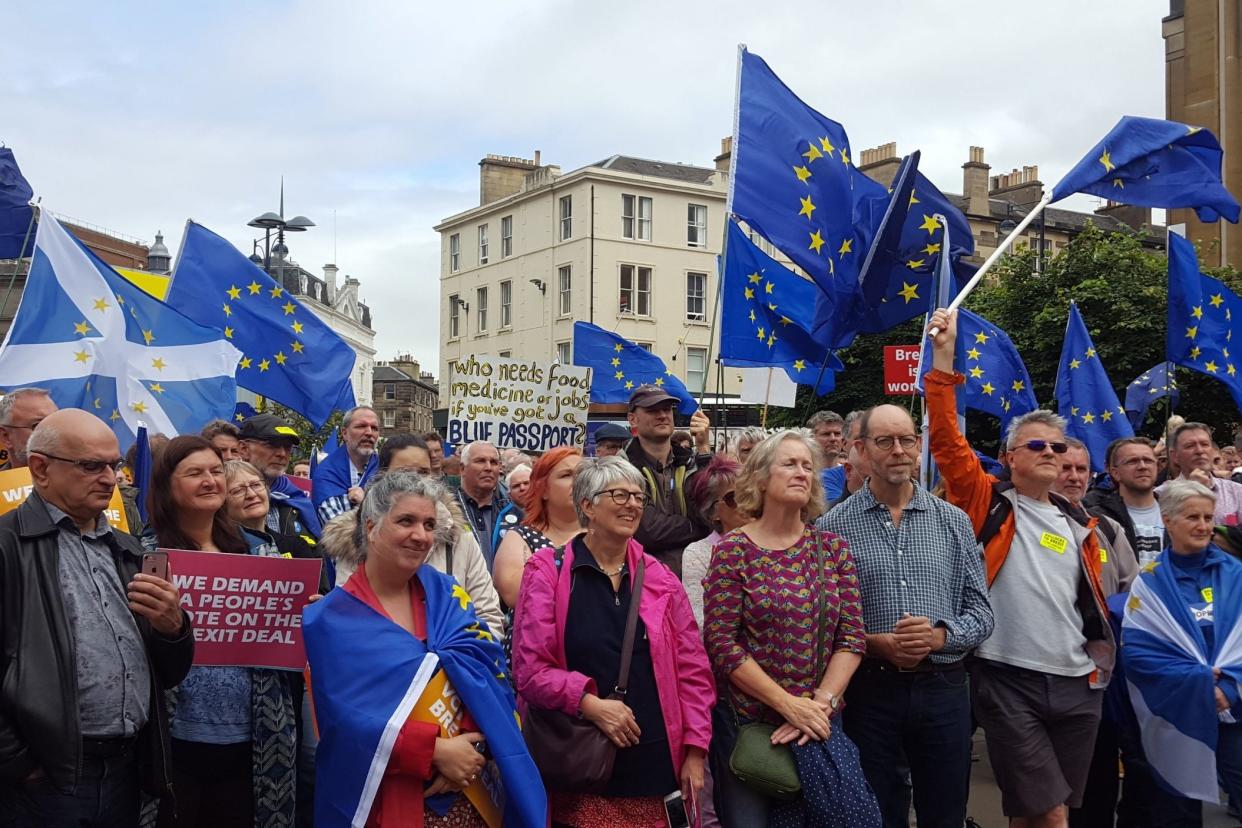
x,y
995,257
21,254
767,396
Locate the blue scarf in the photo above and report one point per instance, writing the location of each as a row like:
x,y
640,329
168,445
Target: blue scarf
x,y
333,477
284,491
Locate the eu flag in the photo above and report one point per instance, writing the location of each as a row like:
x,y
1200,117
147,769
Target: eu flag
x,y
766,315
288,354
1149,386
1154,163
1200,330
1085,397
15,210
618,366
243,411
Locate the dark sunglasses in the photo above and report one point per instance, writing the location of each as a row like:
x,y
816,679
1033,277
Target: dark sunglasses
x,y
1038,446
729,498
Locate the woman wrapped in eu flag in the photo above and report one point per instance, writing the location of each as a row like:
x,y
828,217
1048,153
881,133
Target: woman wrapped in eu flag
x,y
417,722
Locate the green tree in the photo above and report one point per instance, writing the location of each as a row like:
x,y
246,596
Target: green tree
x,y
312,438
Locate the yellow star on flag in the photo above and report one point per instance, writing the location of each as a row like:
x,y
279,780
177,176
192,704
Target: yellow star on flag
x,y
101,304
628,385
255,288
615,362
752,316
1134,604
245,362
803,173
1107,161
981,338
1074,363
1090,353
659,381
619,375
227,310
930,224
1210,367
297,327
755,278
1192,331
281,359
618,347
1088,418
289,308
817,241
976,372
771,339
845,156
228,332
1197,311
1106,415
767,287
1117,182
826,146
762,334
847,246
1194,352
297,347
915,264
139,407
463,597
748,292
158,364
785,320
81,356
1217,300
799,364
908,291
276,292
812,153
234,292
932,249
807,207
114,416
913,200
1018,385
973,353
81,328
987,388
156,388
1229,369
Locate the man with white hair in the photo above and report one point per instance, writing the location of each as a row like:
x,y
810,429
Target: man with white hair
x,y
488,512
337,483
21,411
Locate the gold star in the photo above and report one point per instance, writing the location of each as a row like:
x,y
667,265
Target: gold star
x,y
234,292
81,356
845,156
803,173
1217,300
1074,411
297,347
114,416
1107,161
281,359
1018,385
908,292
987,388
615,362
120,300
1194,352
976,372
914,264
772,307
755,278
1117,182
1106,415
156,388
981,337
1135,603
913,200
1210,367
139,407
973,353
748,292
1090,353
1074,363
785,320
826,146
847,246
1230,369
799,364
158,364
1197,311
254,287
245,362
101,304
148,336
771,339
807,207
227,310
767,287
277,292
817,241
930,224
1192,332
97,403
264,365
628,385
932,249
81,328
1088,418
297,327
228,332
659,381
812,153
752,315
619,375
762,334
289,308
618,347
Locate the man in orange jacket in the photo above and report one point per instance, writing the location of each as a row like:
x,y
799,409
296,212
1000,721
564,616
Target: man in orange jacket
x,y
1038,678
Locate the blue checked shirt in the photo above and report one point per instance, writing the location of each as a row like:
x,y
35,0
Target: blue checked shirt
x,y
927,565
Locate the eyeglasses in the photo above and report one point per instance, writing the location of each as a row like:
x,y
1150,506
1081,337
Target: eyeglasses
x,y
623,496
30,427
907,441
1038,446
729,499
88,466
254,487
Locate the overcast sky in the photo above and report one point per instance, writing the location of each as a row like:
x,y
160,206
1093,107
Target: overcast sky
x,y
136,116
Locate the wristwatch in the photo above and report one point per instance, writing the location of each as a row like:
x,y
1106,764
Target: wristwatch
x,y
834,701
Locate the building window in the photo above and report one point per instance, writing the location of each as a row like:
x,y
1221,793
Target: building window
x,y
635,290
390,419
480,302
454,252
696,369
506,354
567,217
636,217
646,346
696,296
482,244
390,391
564,279
562,353
454,316
506,301
506,236
696,232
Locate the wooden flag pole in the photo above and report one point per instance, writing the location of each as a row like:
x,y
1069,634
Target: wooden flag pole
x,y
767,395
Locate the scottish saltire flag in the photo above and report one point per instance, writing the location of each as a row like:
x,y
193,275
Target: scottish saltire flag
x,y
618,366
1149,386
367,676
97,342
288,354
1154,163
1201,319
1085,397
15,210
766,315
1169,669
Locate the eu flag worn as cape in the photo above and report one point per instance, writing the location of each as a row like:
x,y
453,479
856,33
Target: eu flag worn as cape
x,y
15,210
368,673
97,342
1169,670
284,491
618,366
288,354
1085,397
1149,386
1154,163
766,315
333,477
1201,319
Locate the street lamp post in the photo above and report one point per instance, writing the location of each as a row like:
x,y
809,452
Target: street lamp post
x,y
270,221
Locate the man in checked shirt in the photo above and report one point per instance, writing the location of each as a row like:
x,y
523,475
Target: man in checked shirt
x,y
925,606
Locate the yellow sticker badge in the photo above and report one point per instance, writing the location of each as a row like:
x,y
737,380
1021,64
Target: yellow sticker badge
x,y
1207,594
1054,542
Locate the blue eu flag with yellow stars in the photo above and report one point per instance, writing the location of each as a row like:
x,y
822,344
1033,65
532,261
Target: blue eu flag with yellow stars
x,y
766,314
1149,386
996,379
1201,310
1154,163
1085,397
618,366
288,354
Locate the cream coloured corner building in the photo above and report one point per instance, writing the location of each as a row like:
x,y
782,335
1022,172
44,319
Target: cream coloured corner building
x,y
626,243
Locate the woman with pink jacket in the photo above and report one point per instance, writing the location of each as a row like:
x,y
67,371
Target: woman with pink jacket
x,y
568,630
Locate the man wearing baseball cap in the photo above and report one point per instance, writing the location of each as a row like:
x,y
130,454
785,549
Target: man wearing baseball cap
x,y
266,442
670,522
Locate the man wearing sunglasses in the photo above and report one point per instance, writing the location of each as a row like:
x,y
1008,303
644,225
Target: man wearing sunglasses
x,y
20,412
1038,679
91,643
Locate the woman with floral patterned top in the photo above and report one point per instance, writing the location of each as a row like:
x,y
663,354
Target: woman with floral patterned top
x,y
783,628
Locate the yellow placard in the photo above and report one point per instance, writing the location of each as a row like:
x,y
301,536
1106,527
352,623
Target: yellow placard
x,y
1054,542
1207,594
16,485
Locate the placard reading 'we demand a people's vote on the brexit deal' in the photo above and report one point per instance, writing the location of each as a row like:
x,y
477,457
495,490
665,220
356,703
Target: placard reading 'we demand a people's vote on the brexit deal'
x,y
514,403
246,609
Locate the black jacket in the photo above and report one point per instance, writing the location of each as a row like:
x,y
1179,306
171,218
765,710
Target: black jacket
x,y
1108,502
39,725
669,522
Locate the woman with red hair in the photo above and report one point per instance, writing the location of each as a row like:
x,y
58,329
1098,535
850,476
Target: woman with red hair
x,y
550,519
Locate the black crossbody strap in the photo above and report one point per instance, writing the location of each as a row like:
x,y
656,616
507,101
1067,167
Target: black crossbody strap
x,y
631,628
820,666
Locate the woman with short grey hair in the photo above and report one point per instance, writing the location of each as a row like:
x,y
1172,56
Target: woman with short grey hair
x,y
568,636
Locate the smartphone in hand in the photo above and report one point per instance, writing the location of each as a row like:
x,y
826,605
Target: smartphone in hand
x,y
675,811
155,564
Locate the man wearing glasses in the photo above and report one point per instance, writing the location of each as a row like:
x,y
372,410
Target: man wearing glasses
x,y
1132,464
91,643
1038,679
20,412
925,605
266,442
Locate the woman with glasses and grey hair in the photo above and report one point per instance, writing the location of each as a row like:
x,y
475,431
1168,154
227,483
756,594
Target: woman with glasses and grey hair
x,y
568,634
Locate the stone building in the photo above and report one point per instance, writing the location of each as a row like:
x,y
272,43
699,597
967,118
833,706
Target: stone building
x,y
404,396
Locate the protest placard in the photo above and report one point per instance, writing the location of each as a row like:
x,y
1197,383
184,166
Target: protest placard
x,y
521,404
246,609
16,486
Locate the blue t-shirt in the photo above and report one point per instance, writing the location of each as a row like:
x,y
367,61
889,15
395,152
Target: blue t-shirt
x,y
834,482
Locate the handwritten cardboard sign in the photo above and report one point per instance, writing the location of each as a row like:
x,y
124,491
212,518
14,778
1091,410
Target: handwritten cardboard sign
x,y
16,486
521,404
246,609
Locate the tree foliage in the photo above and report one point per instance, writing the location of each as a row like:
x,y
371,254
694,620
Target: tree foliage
x,y
312,438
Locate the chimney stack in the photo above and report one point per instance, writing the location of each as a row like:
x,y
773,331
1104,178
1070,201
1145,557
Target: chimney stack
x,y
726,154
880,163
975,183
501,176
329,278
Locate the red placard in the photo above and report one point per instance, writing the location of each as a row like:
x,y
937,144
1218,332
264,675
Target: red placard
x,y
901,370
246,609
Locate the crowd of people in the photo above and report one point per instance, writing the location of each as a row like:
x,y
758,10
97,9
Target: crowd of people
x,y
790,631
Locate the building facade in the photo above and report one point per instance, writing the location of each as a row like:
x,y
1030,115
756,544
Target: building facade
x,y
627,244
404,396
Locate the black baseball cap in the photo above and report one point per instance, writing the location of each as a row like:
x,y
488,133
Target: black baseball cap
x,y
269,428
646,396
